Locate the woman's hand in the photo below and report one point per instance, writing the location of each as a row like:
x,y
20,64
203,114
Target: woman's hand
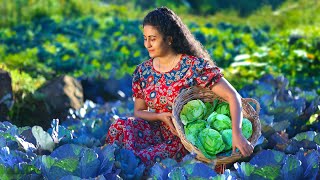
x,y
166,118
225,90
240,142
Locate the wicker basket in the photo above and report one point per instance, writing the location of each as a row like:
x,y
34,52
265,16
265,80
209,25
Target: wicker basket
x,y
206,95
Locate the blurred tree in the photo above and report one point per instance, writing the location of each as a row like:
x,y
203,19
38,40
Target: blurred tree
x,y
150,4
204,6
200,7
244,7
145,4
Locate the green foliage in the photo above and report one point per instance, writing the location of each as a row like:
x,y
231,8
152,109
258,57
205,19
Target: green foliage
x,y
289,14
86,46
105,43
20,11
23,87
223,108
22,82
294,54
27,61
243,7
67,165
8,173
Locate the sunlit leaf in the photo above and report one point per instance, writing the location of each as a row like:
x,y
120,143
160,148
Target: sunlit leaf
x,y
43,138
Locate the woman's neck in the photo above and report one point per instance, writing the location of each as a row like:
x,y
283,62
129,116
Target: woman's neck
x,y
167,59
166,63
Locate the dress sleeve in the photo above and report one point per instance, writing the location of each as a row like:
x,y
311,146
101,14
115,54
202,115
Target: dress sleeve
x,y
207,74
136,84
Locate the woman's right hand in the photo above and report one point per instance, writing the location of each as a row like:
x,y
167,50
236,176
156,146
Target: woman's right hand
x,y
166,118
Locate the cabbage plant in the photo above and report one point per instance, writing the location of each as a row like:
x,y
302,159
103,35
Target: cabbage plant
x,y
193,110
192,130
212,117
227,133
211,141
221,122
227,138
246,128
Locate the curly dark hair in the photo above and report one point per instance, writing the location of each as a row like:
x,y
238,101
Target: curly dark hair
x,y
169,24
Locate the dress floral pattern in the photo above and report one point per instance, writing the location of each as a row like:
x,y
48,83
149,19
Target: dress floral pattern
x,y
153,141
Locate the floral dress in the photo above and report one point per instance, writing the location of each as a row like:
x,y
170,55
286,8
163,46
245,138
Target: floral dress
x,y
153,141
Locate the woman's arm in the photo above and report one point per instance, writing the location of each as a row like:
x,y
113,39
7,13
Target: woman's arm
x,y
140,111
226,91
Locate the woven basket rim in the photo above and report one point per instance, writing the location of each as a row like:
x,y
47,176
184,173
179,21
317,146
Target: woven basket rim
x,y
207,95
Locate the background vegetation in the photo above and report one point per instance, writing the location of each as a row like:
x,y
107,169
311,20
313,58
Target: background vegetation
x,y
40,40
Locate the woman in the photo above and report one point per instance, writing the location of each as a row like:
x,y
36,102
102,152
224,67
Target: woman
x,y
177,61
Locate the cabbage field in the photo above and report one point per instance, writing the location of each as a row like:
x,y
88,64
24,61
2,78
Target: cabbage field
x,y
277,67
288,148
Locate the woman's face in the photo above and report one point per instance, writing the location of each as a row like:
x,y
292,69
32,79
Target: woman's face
x,y
154,41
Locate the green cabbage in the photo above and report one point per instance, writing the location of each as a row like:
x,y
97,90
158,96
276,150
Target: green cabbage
x,y
227,138
215,134
211,141
221,122
246,128
212,117
201,148
193,110
223,108
192,130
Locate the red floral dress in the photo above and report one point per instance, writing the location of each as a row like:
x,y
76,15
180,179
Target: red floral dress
x,y
153,141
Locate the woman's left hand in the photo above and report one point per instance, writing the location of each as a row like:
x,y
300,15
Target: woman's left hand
x,y
166,118
240,142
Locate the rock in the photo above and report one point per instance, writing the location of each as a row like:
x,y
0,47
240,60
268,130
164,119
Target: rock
x,y
51,101
59,95
6,96
106,90
279,141
62,93
294,37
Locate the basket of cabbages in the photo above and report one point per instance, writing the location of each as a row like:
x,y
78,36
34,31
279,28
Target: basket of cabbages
x,y
203,122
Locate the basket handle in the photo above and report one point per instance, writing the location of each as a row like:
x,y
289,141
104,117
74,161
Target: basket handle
x,y
254,102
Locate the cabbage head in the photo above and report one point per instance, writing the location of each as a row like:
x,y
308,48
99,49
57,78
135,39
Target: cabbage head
x,y
212,117
221,122
246,128
211,141
223,108
193,110
192,130
227,138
